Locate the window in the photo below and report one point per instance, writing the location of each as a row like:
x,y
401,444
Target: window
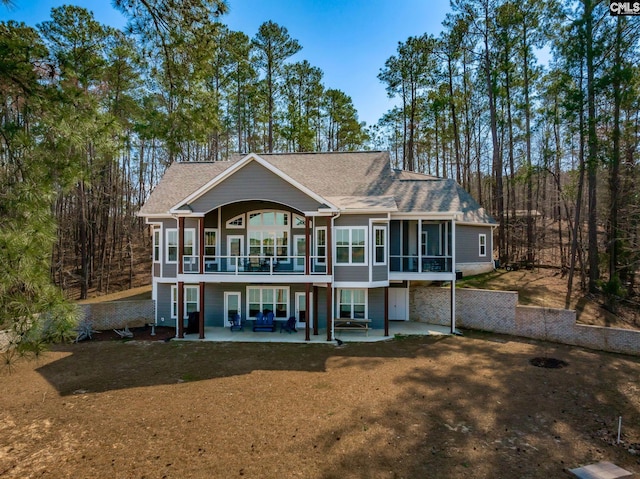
x,y
236,222
210,241
172,245
191,300
189,248
321,245
352,304
298,221
268,299
350,246
380,245
482,243
156,245
269,218
268,234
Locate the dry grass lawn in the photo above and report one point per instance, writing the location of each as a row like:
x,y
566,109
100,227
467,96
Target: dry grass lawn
x,y
451,407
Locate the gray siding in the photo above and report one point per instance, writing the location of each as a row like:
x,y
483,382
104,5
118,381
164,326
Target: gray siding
x,y
356,220
253,181
163,305
380,273
168,270
351,273
321,316
376,307
467,244
214,304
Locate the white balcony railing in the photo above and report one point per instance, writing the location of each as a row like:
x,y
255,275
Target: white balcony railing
x,y
252,264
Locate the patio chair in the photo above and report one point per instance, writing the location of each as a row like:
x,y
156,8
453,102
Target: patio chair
x,y
289,325
265,322
236,323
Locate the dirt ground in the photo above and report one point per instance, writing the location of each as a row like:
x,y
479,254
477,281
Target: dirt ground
x,y
429,407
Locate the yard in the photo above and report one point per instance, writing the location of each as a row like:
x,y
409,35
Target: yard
x,y
448,407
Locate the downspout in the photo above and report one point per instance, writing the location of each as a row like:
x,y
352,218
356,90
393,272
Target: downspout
x,y
333,267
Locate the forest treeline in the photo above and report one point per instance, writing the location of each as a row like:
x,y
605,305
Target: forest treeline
x,y
92,116
533,106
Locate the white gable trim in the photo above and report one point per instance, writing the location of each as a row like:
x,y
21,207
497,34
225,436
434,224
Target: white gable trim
x,y
239,165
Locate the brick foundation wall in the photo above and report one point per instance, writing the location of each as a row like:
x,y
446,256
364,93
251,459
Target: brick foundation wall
x,y
498,312
118,314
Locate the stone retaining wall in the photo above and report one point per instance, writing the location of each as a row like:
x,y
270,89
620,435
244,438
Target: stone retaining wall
x,y
498,312
118,314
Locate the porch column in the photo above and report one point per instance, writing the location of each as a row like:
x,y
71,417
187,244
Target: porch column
x,y
307,329
329,311
180,312
315,310
180,243
201,243
329,248
201,308
329,285
386,310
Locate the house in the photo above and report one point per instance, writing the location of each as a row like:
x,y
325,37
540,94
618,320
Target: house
x,y
330,238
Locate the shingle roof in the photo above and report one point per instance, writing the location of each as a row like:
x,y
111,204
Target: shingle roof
x,y
352,179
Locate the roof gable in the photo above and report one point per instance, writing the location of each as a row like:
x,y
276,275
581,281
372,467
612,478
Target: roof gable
x,y
239,166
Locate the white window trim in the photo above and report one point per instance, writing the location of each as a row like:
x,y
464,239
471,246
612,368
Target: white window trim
x,y
298,218
273,288
174,300
482,245
350,246
167,245
366,301
266,227
216,245
226,305
236,218
377,228
320,260
157,245
191,231
274,229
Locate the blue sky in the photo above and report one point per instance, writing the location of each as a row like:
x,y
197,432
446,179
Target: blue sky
x,y
348,40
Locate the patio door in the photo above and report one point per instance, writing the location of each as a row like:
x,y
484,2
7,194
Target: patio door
x,y
231,306
235,247
302,312
299,249
398,304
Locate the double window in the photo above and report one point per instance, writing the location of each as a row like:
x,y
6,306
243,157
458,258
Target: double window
x,y
351,245
266,298
352,303
268,234
191,300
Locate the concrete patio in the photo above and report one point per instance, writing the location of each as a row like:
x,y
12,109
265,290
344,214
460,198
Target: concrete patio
x,y
401,328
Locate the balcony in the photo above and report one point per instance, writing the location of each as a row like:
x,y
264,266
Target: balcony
x,y
256,265
420,264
